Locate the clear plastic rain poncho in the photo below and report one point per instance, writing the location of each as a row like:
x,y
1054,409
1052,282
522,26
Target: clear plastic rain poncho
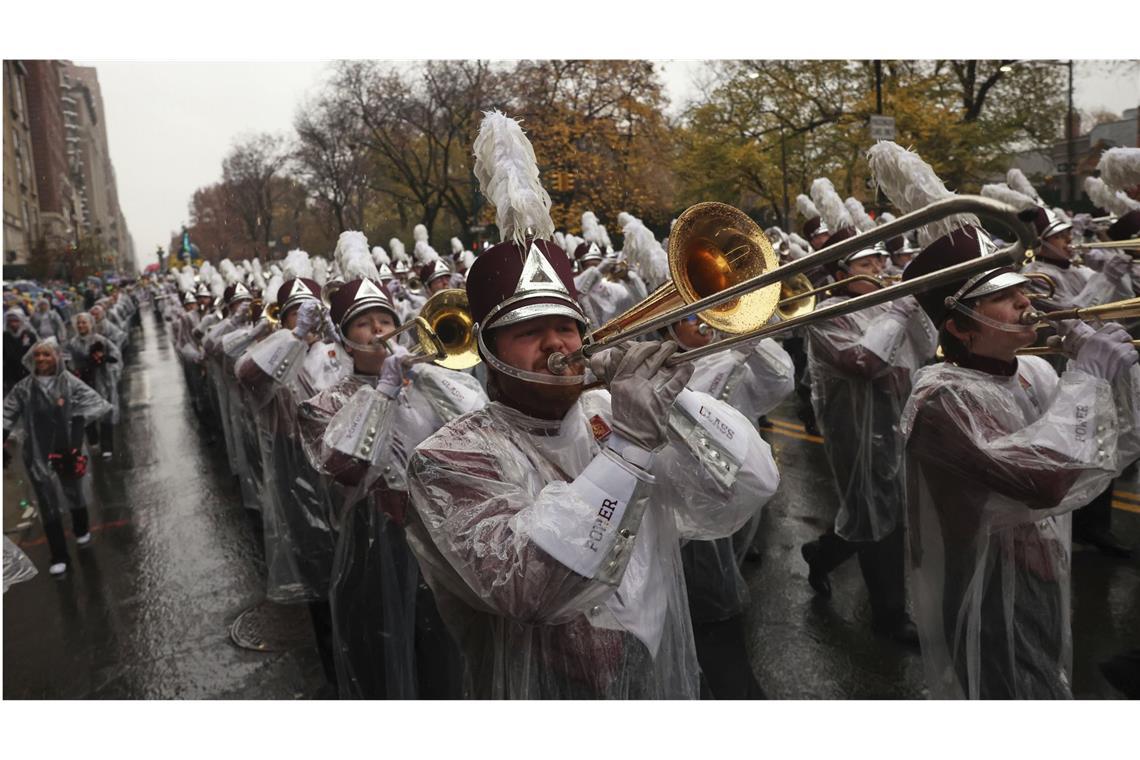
x,y
296,506
46,321
81,353
995,466
105,326
603,299
375,586
1080,285
507,512
54,410
17,565
861,366
753,380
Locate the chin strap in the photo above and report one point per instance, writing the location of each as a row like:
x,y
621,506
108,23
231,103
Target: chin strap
x,y
522,374
954,304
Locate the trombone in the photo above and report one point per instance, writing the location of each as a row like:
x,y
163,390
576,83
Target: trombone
x,y
798,290
717,250
1130,246
1129,308
444,333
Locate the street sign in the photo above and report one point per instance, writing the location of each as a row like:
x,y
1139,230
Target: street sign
x,y
882,127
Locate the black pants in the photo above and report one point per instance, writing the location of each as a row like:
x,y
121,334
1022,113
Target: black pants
x,y
722,652
798,353
323,632
881,563
1095,518
53,530
103,433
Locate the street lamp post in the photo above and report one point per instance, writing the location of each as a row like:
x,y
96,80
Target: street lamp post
x,y
1070,155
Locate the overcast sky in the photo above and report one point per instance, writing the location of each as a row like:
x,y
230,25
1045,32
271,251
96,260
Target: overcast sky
x,y
170,124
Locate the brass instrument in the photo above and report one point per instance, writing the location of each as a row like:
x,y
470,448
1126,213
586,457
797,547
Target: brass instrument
x,y
449,317
723,268
1045,280
414,285
619,272
1129,308
798,290
1130,246
327,291
1054,349
272,314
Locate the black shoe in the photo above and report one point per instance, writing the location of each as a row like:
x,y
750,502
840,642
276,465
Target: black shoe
x,y
753,554
816,578
812,429
1123,672
903,632
763,423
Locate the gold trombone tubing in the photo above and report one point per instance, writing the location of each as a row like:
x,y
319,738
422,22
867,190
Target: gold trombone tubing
x,y
1054,350
1132,245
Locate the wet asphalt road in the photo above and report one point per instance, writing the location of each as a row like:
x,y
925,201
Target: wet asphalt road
x,y
145,611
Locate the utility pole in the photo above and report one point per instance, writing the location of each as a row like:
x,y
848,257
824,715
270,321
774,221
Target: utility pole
x,y
784,177
1072,192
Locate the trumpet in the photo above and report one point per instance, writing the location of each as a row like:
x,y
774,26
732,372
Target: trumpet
x,y
272,314
414,285
723,268
619,272
444,333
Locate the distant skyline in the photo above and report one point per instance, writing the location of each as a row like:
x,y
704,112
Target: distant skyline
x,y
169,124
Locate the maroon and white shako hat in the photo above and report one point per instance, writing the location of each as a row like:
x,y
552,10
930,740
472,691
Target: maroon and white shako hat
x,y
910,183
527,275
813,222
434,270
295,291
587,251
362,289
236,292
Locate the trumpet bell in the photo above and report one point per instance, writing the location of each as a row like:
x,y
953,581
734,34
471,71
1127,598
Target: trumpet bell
x,y
796,297
449,316
272,314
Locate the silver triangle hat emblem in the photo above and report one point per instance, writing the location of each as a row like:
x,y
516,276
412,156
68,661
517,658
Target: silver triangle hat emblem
x,y
300,289
538,275
367,288
240,290
986,245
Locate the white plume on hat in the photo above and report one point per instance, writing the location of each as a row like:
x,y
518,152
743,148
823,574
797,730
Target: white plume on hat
x,y
572,243
911,184
457,245
399,253
1017,180
424,253
560,239
508,177
379,256
217,284
297,264
885,218
274,269
794,239
320,270
796,251
862,219
230,273
1120,168
1000,191
271,288
591,230
835,214
419,233
186,279
806,207
1115,202
644,253
623,218
606,243
355,257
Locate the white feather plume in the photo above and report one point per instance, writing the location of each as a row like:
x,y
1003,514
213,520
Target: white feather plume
x,y
1115,202
297,264
644,253
572,243
560,239
379,256
1120,168
320,270
271,288
424,253
606,244
230,273
830,205
399,253
885,217
456,245
1061,214
911,184
862,219
794,239
797,251
508,176
419,233
623,219
806,207
186,280
1000,191
274,269
1017,181
217,284
355,259
591,230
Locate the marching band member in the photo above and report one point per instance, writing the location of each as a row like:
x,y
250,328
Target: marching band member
x,y
360,431
548,524
752,379
1000,451
860,366
19,337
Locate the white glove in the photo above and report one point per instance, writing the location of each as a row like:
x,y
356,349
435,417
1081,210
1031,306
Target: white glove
x,y
396,288
1117,265
1107,352
241,313
1073,333
904,308
308,317
642,389
392,373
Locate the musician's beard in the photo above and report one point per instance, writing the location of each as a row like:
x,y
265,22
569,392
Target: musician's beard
x,y
545,402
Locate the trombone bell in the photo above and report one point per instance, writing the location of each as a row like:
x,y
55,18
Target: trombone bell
x,y
449,316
